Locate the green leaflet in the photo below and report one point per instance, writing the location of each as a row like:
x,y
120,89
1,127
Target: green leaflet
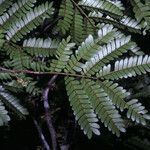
x,y
125,23
77,31
63,55
102,97
66,12
73,65
91,46
108,53
4,4
29,22
22,61
142,13
103,106
5,76
147,2
4,118
1,38
127,67
137,112
82,107
41,47
88,27
13,103
31,88
105,6
116,93
23,83
16,11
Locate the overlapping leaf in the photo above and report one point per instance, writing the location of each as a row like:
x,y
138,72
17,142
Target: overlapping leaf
x,y
125,23
13,103
4,4
104,6
16,11
82,107
63,54
41,47
77,31
108,53
66,14
128,67
1,38
142,13
103,106
4,117
30,21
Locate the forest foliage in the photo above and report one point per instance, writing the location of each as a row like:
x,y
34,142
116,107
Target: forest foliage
x,y
89,44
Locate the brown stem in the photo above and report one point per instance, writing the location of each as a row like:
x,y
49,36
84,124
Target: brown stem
x,y
42,137
47,113
82,12
4,70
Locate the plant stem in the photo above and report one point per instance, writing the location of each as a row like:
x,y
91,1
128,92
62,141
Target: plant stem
x,y
82,12
47,112
4,70
43,140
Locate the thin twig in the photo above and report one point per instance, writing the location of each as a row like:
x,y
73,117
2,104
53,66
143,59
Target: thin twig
x,y
4,70
47,112
51,24
82,12
43,140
